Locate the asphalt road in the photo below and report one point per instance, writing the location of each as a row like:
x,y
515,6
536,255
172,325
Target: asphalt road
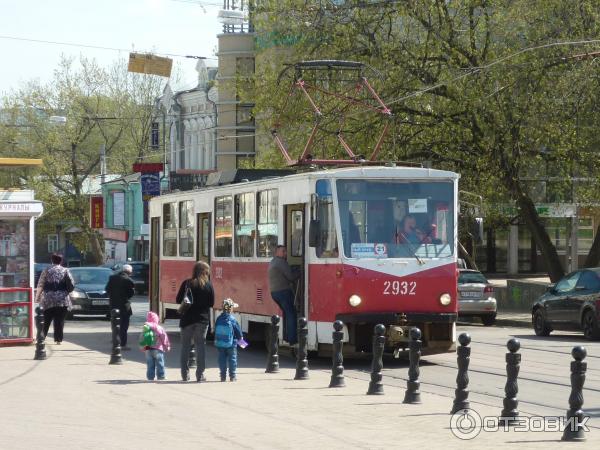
x,y
544,378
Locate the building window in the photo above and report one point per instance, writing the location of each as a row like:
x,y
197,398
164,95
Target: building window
x,y
268,208
244,225
585,235
170,229
186,228
52,243
223,226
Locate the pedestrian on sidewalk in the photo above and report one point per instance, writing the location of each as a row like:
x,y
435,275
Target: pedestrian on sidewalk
x,y
53,289
227,335
120,289
194,321
281,278
155,342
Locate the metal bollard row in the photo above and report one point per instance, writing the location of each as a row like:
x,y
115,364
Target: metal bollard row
x,y
463,357
115,357
337,368
301,357
40,344
413,394
273,357
510,413
375,385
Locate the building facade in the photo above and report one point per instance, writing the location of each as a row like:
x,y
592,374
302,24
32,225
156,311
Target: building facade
x,y
236,128
189,123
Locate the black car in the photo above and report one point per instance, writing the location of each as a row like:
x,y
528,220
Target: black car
x,y
89,296
139,275
571,304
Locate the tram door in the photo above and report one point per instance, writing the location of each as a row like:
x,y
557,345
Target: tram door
x,y
294,241
203,237
154,261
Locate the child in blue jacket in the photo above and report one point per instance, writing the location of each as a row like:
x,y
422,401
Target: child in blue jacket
x,y
227,334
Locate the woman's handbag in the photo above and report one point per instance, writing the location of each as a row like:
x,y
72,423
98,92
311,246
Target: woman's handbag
x,y
187,301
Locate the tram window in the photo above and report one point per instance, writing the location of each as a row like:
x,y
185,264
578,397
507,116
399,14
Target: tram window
x,y
223,226
268,207
186,228
327,246
170,229
244,225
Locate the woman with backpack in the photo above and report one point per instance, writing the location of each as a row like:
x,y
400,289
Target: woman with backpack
x,y
198,297
52,294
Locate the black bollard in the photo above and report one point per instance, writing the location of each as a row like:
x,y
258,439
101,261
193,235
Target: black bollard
x,y
115,320
192,356
513,364
463,356
375,385
337,369
273,358
575,426
413,395
301,361
40,344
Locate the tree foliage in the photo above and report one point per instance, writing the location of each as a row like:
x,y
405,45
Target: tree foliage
x,y
67,121
503,92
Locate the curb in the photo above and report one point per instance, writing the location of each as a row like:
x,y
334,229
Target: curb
x,y
521,323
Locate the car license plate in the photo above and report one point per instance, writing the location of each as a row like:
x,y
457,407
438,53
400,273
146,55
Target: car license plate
x,y
470,294
76,307
99,302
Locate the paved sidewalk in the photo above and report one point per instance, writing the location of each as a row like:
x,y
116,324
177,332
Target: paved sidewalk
x,y
76,400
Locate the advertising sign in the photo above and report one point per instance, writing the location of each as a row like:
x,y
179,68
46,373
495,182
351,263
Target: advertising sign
x,y
150,185
150,64
118,209
96,212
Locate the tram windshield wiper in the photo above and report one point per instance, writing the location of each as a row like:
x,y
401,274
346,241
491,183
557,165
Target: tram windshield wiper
x,y
412,249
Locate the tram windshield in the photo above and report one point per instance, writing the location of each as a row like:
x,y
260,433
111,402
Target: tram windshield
x,y
396,219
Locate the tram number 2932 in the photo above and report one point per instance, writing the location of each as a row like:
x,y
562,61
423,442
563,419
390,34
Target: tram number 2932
x,y
399,287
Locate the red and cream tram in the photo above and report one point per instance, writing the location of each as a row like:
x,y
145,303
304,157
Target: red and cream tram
x,y
373,244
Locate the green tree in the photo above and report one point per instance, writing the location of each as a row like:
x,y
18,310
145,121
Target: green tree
x,y
67,121
500,91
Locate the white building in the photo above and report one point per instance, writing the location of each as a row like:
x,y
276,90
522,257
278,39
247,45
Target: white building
x,y
190,124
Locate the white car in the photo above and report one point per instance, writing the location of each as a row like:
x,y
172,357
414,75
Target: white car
x,y
476,296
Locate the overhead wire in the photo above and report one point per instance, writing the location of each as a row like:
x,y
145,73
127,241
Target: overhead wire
x,y
99,47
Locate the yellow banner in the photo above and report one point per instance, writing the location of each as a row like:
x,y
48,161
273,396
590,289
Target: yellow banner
x,y
150,64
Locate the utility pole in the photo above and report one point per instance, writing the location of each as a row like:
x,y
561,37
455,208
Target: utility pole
x,y
102,163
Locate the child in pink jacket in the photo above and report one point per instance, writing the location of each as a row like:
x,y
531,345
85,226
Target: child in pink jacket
x,y
155,352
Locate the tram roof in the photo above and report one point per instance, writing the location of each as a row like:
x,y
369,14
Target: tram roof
x,y
252,177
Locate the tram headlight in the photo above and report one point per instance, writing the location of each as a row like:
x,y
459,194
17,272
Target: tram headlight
x,y
445,299
354,300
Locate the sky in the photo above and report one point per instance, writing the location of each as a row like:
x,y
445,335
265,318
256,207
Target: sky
x,y
181,27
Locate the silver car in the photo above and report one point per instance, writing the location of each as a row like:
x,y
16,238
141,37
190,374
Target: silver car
x,y
476,296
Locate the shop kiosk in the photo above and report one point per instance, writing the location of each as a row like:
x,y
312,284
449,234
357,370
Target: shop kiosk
x,y
18,211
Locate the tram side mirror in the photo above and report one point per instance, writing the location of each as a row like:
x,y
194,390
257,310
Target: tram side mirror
x,y
314,229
